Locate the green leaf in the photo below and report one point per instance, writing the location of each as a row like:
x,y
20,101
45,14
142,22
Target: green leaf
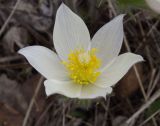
x,y
155,106
79,113
130,4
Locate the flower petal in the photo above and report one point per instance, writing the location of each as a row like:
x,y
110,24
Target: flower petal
x,y
154,5
113,73
66,88
108,39
70,32
44,61
92,91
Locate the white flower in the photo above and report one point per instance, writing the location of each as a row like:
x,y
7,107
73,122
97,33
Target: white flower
x,y
154,5
82,68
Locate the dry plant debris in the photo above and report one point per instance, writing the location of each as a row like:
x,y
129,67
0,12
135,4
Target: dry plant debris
x,y
31,23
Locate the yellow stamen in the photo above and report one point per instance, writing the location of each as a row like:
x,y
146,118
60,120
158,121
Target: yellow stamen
x,y
83,66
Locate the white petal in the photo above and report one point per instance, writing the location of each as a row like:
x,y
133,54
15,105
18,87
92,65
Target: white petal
x,y
66,88
113,73
108,39
70,32
92,91
44,61
154,5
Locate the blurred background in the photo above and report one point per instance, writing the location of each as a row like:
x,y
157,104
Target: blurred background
x,y
135,99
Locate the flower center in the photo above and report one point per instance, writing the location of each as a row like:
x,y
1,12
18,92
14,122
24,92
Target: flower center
x,y
83,66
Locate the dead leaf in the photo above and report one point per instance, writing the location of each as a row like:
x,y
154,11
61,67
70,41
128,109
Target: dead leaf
x,y
9,118
46,7
26,6
12,103
11,95
16,98
15,36
28,89
40,23
129,83
119,121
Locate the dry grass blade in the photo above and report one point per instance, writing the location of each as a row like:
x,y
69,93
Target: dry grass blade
x,y
32,101
154,84
133,100
10,58
128,48
145,106
143,123
134,67
9,18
